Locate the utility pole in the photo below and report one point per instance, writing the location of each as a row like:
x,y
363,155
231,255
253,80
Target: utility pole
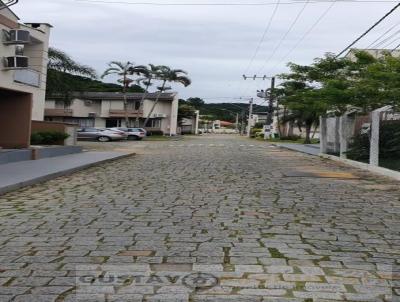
x,y
250,118
270,119
237,122
196,130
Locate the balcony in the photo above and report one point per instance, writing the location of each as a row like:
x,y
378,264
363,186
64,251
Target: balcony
x,y
58,112
27,76
123,113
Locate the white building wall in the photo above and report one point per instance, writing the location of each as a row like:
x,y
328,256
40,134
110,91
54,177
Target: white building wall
x,y
37,53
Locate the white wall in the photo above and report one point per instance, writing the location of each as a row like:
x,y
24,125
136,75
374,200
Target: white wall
x,y
38,58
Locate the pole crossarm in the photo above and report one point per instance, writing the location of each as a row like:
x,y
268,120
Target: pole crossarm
x,y
255,77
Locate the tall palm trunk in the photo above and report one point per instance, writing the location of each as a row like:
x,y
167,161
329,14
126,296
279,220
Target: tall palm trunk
x,y
137,123
155,103
125,102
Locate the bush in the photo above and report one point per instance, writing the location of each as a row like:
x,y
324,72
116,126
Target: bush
x,y
290,138
48,138
254,131
389,143
155,132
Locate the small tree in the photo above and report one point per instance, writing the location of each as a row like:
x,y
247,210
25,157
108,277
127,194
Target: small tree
x,y
124,70
168,75
149,75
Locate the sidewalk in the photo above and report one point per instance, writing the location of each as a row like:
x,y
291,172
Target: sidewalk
x,y
308,149
24,173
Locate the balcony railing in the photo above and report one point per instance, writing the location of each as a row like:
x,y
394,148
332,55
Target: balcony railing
x,y
123,113
27,76
58,112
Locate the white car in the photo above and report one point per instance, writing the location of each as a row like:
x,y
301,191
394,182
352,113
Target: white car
x,y
136,134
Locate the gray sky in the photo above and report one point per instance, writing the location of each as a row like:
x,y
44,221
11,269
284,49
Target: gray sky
x,y
213,43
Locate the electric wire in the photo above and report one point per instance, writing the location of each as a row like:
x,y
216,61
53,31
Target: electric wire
x,y
305,35
369,29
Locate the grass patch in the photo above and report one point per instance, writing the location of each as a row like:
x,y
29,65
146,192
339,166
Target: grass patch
x,y
275,253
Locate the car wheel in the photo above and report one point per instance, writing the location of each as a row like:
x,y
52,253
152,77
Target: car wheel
x,y
103,139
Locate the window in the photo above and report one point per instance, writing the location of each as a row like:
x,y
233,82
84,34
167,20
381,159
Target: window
x,y
155,123
61,105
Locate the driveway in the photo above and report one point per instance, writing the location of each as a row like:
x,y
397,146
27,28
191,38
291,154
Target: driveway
x,y
213,218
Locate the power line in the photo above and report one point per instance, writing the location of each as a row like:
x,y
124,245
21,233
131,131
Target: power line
x,y
321,17
266,31
396,48
387,39
390,43
369,30
381,36
285,35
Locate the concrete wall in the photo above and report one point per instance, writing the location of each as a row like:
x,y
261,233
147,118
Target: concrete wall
x,y
70,129
37,53
15,119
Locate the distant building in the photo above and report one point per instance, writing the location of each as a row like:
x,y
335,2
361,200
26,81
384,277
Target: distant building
x,y
106,109
23,71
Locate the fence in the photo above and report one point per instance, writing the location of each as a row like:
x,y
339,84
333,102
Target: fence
x,y
373,138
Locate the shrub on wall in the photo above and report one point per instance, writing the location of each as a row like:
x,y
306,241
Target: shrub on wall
x,y
389,143
48,138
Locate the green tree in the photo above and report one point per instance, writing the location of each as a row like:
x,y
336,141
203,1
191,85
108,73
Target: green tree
x,y
167,75
123,70
197,103
62,72
185,111
150,74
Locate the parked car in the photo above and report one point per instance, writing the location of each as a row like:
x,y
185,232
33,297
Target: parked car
x,y
101,135
132,133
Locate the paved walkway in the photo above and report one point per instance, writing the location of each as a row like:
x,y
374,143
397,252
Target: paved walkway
x,y
213,219
308,149
19,174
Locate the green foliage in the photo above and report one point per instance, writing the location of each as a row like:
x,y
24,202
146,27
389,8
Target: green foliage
x,y
48,138
59,83
389,143
290,138
185,111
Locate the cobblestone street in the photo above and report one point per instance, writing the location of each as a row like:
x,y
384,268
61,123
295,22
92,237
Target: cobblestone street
x,y
213,218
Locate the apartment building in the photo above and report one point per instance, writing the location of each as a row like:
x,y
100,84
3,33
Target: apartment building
x,y
23,70
106,109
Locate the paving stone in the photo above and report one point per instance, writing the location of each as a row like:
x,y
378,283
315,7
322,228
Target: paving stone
x,y
227,211
262,292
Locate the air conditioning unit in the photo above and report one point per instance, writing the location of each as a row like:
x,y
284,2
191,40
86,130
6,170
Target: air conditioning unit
x,y
17,36
88,103
92,114
16,62
159,115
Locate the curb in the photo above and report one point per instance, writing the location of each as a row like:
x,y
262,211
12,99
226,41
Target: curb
x,y
377,170
42,179
294,150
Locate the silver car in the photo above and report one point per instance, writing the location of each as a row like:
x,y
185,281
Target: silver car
x,y
136,134
101,135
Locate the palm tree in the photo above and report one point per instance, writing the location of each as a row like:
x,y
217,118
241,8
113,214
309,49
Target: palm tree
x,y
59,70
123,70
60,61
168,75
149,74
